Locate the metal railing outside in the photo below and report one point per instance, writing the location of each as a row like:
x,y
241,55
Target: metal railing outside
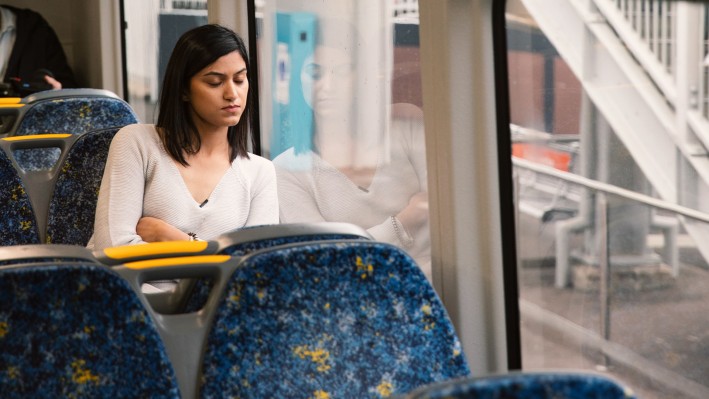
x,y
600,339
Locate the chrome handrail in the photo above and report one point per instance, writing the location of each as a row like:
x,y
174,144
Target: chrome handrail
x,y
611,189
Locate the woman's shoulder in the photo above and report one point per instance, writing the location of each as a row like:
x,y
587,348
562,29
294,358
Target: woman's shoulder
x,y
252,163
137,129
255,159
137,132
254,169
407,122
406,111
138,139
292,160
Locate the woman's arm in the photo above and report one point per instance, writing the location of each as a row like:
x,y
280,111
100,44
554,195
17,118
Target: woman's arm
x,y
296,201
120,200
152,229
264,200
407,125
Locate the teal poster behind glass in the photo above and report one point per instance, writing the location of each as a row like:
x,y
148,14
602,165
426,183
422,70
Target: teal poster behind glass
x,y
292,116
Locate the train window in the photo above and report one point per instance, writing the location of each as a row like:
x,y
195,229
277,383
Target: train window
x,y
341,117
152,29
609,124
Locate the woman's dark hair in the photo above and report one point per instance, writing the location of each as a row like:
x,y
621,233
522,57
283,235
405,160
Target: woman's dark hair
x,y
195,50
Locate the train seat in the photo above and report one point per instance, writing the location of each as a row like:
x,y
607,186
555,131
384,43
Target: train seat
x,y
69,111
249,239
63,197
77,179
72,111
75,328
523,385
336,319
183,333
18,224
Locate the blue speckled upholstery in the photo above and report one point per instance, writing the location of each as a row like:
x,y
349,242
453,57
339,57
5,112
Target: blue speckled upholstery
x,y
245,248
70,218
532,385
347,319
75,115
200,292
78,331
34,159
17,224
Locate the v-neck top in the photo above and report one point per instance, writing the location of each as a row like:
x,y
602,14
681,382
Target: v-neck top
x,y
141,179
312,190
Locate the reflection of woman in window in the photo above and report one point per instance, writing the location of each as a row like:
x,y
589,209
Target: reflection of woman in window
x,y
380,188
189,175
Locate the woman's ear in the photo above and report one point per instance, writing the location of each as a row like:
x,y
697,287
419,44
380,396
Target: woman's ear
x,y
185,97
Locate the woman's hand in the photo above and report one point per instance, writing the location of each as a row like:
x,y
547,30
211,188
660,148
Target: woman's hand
x,y
152,229
56,85
415,215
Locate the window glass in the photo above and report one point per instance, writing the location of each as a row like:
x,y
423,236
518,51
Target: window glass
x,y
609,131
341,115
153,27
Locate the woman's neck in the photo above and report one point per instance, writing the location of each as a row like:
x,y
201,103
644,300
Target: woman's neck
x,y
213,139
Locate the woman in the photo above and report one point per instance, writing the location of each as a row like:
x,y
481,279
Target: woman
x,y
189,177
346,177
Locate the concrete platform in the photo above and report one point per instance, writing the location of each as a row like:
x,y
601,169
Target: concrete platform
x,y
630,278
658,339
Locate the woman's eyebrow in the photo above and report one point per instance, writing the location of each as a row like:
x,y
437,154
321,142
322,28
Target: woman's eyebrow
x,y
215,73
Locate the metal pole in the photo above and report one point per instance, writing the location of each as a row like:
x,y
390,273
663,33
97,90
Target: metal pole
x,y
604,267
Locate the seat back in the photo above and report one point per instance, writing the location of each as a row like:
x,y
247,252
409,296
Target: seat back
x,y
64,196
250,239
67,111
73,111
18,224
522,385
171,296
183,334
76,183
76,329
244,241
336,319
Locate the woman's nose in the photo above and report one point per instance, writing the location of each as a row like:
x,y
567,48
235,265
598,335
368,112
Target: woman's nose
x,y
230,91
326,81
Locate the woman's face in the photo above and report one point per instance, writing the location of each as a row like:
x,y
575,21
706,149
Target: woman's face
x,y
329,77
218,93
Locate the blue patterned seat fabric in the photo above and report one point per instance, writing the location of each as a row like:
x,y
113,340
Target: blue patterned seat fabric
x,y
70,217
34,159
531,385
75,115
348,319
245,248
78,331
200,293
17,224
